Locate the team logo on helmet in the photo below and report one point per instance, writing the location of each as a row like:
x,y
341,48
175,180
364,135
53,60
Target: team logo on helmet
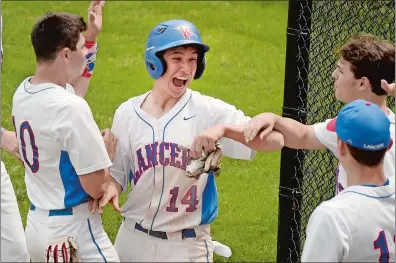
x,y
186,31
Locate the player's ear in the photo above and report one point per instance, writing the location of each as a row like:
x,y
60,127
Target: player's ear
x,y
64,53
364,84
341,147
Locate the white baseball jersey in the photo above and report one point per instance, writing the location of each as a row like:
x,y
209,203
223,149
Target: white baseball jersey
x,y
162,197
357,225
58,141
325,132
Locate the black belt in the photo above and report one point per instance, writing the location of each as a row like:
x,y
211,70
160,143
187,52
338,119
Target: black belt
x,y
187,233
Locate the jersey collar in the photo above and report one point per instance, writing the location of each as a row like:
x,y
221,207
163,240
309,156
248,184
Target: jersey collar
x,y
167,116
383,191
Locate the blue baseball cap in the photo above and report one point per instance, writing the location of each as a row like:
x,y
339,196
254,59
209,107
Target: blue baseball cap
x,y
363,125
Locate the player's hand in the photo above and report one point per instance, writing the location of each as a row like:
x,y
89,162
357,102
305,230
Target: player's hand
x,y
95,16
93,205
111,195
206,141
9,142
389,88
110,143
262,123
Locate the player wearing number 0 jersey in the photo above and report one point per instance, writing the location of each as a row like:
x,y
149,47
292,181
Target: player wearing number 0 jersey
x,y
61,147
167,215
51,138
357,225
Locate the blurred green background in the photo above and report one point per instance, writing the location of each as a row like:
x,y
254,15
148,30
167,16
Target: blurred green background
x,y
245,67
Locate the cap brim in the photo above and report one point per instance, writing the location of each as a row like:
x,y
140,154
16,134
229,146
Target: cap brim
x,y
331,126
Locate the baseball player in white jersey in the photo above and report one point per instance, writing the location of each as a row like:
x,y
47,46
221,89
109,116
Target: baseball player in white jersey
x,y
357,225
167,214
326,133
64,154
363,63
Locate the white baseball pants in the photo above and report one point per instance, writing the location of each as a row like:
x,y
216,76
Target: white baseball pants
x,y
134,245
87,229
13,242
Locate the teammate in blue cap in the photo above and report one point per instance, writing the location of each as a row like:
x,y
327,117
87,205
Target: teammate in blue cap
x,y
357,225
365,67
167,215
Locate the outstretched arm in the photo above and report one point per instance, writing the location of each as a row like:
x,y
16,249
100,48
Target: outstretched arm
x,y
296,135
273,142
81,83
206,140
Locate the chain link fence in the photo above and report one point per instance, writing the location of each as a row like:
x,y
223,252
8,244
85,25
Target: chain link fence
x,y
316,30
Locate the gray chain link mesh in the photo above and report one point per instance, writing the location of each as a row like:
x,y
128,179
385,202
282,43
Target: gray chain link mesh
x,y
332,23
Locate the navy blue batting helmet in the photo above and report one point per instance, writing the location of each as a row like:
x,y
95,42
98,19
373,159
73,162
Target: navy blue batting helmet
x,y
170,34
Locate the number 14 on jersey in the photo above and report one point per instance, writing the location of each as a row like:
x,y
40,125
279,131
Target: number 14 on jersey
x,y
189,199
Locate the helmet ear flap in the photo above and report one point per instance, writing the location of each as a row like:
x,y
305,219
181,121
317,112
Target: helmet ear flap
x,y
154,65
163,62
201,65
